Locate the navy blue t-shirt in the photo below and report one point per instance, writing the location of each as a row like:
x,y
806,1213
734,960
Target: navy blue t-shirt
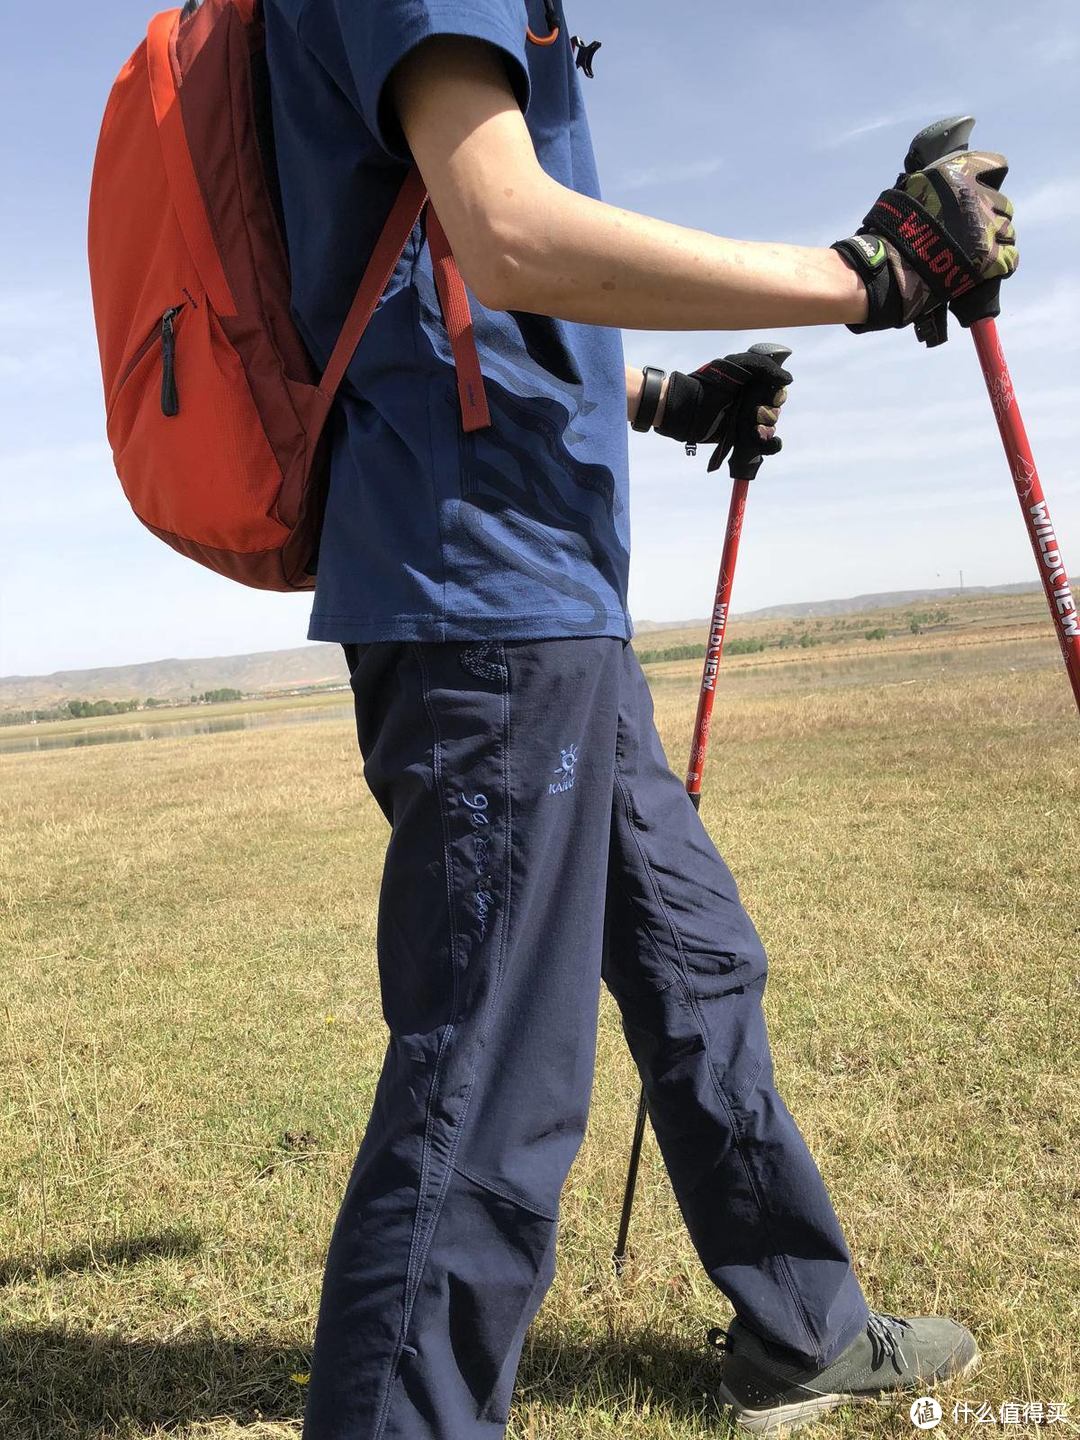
x,y
520,530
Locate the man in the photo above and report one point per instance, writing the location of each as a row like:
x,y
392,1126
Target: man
x,y
478,584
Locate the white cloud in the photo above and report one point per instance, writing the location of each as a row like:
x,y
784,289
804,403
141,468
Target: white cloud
x,y
915,114
1056,201
31,309
40,364
1057,46
1047,321
47,339
653,175
52,490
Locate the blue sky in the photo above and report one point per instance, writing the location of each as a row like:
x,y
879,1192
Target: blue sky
x,y
713,115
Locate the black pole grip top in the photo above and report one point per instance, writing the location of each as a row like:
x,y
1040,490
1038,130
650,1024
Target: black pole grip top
x,y
771,350
941,138
747,456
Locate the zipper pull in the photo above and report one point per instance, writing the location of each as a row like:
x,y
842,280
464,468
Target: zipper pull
x,y
170,396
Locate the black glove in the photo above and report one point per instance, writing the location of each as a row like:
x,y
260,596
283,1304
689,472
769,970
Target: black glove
x,y
733,401
932,239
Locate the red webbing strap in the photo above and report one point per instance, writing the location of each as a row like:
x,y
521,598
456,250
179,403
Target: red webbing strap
x,y
400,223
459,326
389,248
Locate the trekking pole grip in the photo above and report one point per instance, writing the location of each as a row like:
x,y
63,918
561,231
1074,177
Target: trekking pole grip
x,y
936,141
747,456
946,137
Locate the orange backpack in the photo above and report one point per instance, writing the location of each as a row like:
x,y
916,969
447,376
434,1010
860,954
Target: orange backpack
x,y
215,413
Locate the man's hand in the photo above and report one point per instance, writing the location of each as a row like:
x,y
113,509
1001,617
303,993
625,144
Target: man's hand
x,y
714,403
936,236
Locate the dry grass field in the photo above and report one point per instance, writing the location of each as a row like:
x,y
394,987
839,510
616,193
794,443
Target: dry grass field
x,y
191,1037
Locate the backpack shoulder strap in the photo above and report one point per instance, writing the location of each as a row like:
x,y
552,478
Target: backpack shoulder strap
x,y
389,248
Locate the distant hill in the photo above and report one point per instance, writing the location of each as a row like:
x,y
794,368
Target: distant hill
x,y
176,679
888,600
315,665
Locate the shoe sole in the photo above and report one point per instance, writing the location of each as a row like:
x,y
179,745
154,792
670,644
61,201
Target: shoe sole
x,y
804,1412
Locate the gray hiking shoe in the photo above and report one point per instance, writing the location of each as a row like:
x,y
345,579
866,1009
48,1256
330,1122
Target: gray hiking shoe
x,y
767,1391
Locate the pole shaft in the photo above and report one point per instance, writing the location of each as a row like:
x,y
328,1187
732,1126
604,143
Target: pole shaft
x,y
631,1184
1040,528
721,608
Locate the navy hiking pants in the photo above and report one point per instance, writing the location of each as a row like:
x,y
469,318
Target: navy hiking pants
x,y
540,842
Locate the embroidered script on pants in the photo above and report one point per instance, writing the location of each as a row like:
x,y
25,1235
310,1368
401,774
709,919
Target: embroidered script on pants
x,y
481,854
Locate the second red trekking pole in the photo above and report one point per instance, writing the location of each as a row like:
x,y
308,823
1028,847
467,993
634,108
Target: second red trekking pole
x,y
977,311
743,466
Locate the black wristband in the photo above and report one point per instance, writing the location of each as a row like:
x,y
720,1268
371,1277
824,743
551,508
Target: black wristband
x,y
651,390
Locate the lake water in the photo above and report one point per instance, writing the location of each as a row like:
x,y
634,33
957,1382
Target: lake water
x,y
46,738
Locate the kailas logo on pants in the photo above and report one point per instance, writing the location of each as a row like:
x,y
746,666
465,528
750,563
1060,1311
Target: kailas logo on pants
x,y
564,771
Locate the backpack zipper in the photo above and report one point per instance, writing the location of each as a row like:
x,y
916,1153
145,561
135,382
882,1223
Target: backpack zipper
x,y
170,395
157,336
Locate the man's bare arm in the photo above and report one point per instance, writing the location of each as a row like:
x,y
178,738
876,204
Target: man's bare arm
x,y
525,242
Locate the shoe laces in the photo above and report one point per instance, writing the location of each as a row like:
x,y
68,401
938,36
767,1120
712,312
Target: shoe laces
x,y
886,1332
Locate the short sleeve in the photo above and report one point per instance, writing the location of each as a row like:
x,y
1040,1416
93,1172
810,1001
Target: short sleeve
x,y
378,34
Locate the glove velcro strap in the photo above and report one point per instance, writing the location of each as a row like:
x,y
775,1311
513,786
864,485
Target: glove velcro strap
x,y
869,258
681,409
924,243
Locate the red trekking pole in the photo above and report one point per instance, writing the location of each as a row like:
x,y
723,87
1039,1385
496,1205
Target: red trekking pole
x,y
744,464
978,311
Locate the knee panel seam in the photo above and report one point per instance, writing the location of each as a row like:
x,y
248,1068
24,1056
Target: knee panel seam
x,y
504,1193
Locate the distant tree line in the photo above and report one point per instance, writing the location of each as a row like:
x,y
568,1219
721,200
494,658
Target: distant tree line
x,y
91,709
799,635
70,710
738,646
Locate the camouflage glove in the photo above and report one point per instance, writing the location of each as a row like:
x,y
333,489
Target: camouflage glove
x,y
933,238
721,400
